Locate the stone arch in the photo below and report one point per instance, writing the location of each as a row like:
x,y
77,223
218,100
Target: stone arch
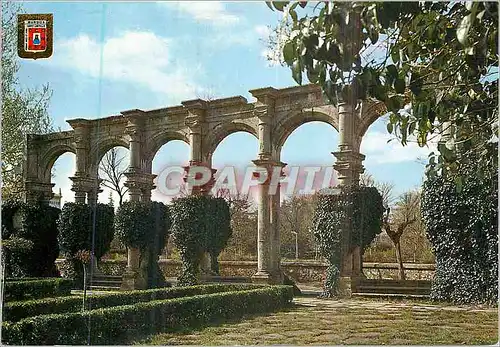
x,y
50,157
370,112
159,139
220,132
284,129
101,148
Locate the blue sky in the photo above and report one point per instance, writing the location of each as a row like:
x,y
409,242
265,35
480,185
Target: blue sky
x,y
157,54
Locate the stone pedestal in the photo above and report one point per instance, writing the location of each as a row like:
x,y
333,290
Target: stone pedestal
x,y
347,286
262,277
132,280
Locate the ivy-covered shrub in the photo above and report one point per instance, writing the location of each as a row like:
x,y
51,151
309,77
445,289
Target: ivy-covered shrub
x,y
200,223
353,216
145,225
122,324
188,229
463,230
218,230
17,310
29,233
78,233
40,288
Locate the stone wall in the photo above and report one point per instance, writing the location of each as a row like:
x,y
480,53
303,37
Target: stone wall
x,y
300,271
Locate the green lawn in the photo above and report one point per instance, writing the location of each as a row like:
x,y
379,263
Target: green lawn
x,y
330,322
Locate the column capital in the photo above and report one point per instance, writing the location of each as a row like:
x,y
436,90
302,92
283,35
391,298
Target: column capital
x,y
349,166
268,165
139,183
197,109
207,187
85,184
79,123
35,190
134,132
265,95
134,116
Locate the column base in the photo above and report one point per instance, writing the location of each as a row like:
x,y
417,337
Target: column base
x,y
278,277
347,286
262,277
132,280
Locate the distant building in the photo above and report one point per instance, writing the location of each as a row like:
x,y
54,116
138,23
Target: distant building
x,y
56,200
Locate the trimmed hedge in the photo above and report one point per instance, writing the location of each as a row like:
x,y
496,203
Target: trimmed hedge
x,y
31,289
30,249
145,225
124,324
75,226
200,223
17,310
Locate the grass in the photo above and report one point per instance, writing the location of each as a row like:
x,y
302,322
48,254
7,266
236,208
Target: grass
x,y
328,322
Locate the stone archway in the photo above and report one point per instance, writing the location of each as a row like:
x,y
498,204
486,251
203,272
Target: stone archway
x,y
203,125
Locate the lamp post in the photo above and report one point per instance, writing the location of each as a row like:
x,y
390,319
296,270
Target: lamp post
x,y
296,244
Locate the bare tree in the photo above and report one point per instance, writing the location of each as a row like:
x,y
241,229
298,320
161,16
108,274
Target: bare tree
x,y
386,189
403,215
243,242
112,168
238,202
295,220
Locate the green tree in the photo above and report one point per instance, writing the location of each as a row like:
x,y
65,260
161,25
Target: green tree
x,y
434,65
24,111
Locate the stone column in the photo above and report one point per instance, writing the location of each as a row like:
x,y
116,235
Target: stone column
x,y
132,278
264,110
94,190
263,230
275,237
195,121
349,166
81,129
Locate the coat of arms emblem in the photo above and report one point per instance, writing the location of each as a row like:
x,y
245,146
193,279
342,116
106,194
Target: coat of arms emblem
x,y
34,35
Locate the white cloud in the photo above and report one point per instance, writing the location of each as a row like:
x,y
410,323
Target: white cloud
x,y
263,31
378,150
137,57
213,12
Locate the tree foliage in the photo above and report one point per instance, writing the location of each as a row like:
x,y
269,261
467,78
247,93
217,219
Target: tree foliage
x,y
434,65
24,111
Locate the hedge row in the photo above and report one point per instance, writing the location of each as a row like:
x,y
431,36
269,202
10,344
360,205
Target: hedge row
x,y
124,324
15,311
27,289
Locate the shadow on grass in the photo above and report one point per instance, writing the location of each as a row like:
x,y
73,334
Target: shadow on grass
x,y
143,339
